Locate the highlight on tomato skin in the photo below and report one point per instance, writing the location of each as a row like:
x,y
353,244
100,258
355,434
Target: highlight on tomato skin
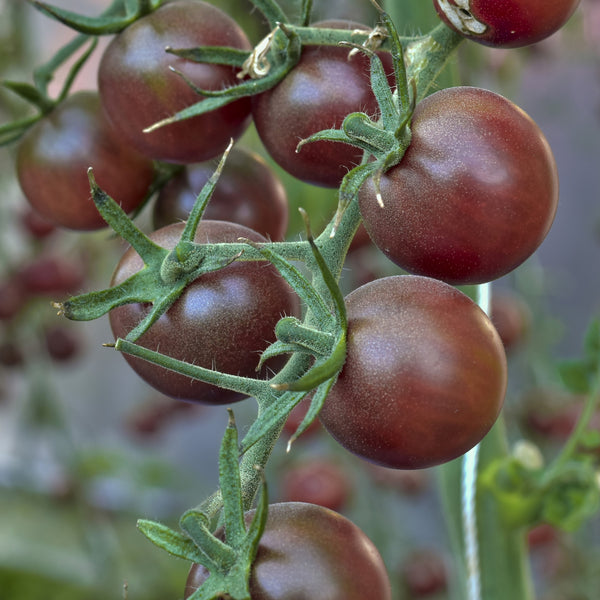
x,y
309,551
506,23
425,374
474,195
138,88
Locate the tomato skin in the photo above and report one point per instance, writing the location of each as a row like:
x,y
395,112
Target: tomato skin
x,y
308,552
223,320
506,23
425,374
320,91
54,156
248,193
138,88
474,195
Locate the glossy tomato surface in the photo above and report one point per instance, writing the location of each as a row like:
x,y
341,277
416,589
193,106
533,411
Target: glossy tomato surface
x,y
222,321
248,192
474,195
320,91
424,378
54,156
506,23
138,88
308,552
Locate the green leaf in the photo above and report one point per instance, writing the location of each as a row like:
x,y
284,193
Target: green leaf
x,y
27,92
592,342
216,555
292,332
217,55
573,496
270,417
174,543
43,74
369,136
102,25
272,12
242,385
590,439
231,487
297,281
11,132
202,200
576,375
278,348
316,404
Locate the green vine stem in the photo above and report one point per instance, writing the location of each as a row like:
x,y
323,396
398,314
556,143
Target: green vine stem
x,y
592,402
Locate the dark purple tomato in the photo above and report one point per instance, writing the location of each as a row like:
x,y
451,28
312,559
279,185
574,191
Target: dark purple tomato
x,y
505,23
62,344
474,195
138,88
54,156
511,317
223,320
316,481
424,378
321,90
308,552
12,298
248,193
36,225
49,275
425,573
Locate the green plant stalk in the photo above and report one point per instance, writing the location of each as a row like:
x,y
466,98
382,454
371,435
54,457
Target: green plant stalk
x,y
592,401
503,562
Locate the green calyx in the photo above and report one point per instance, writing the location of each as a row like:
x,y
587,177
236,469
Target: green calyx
x,y
228,558
567,491
317,345
384,140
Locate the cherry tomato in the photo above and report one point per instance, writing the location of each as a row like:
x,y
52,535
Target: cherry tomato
x,y
474,195
62,344
248,193
505,23
138,88
36,225
321,90
424,378
223,320
54,156
511,318
425,573
316,481
12,298
51,275
310,552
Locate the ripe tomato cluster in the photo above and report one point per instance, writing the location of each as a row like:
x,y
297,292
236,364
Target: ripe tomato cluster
x,y
471,198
